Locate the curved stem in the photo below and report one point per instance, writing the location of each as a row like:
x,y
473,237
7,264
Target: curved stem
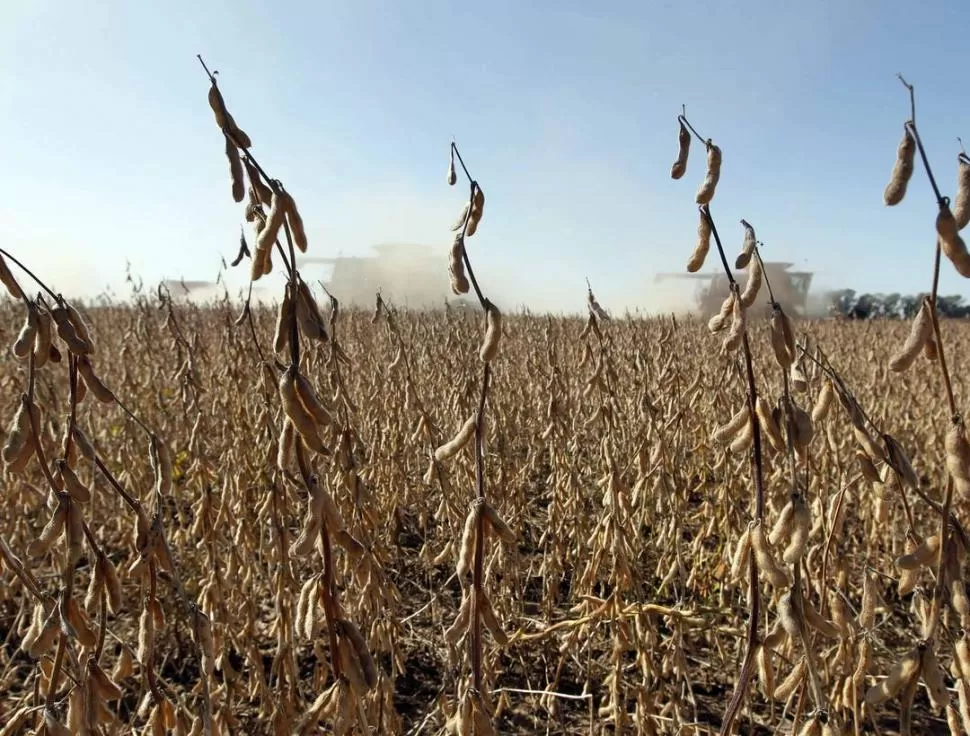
x,y
683,118
30,273
757,470
454,148
941,201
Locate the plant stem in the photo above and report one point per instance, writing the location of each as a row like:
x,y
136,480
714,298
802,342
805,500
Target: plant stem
x,y
30,273
683,118
757,466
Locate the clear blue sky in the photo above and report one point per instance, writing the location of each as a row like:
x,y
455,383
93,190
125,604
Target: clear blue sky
x,y
566,113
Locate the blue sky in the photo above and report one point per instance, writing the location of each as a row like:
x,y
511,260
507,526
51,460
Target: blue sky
x,y
565,112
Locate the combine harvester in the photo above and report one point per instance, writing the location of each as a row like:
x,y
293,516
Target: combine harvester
x,y
410,276
790,288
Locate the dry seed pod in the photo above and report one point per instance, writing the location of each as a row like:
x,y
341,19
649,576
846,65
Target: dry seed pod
x,y
786,687
927,553
160,459
706,192
96,585
783,525
741,554
866,467
78,623
259,259
716,323
950,241
456,267
935,688
743,440
296,222
454,632
283,321
302,420
19,433
103,684
811,727
899,676
703,244
271,229
8,280
961,203
787,618
766,562
452,176
802,429
958,455
747,247
112,586
308,314
451,448
309,399
356,639
498,525
909,578
823,402
491,620
801,525
50,533
285,445
769,425
902,170
752,285
899,461
775,637
69,329
225,120
493,331
92,382
818,622
42,338
218,106
930,349
24,343
683,142
738,324
920,332
77,322
235,171
72,484
477,210
732,427
782,339
263,192
468,535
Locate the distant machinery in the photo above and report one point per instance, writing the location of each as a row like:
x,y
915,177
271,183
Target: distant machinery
x,y
790,287
406,275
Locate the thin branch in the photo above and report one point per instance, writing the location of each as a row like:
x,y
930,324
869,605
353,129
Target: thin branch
x,y
683,118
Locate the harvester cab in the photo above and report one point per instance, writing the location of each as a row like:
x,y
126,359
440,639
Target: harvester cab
x,y
790,287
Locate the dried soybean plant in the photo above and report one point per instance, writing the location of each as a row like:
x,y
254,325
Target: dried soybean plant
x,y
942,553
788,430
309,427
55,332
474,710
746,420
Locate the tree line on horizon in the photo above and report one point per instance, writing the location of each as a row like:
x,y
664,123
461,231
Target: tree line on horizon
x,y
848,304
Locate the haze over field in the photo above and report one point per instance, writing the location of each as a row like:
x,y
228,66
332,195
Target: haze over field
x,y
568,111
